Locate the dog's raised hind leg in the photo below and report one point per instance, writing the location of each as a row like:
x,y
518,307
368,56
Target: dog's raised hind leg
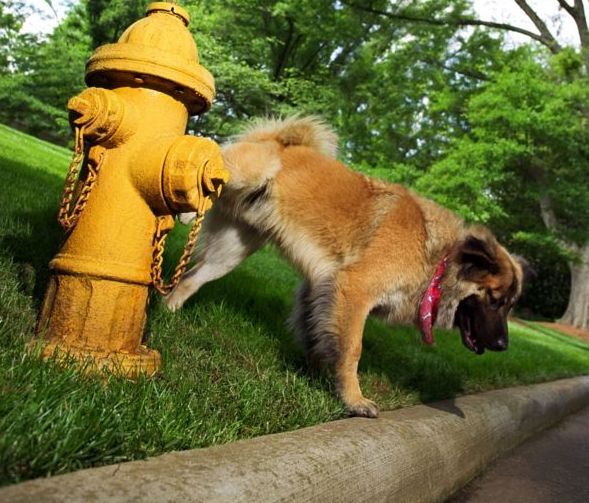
x,y
225,245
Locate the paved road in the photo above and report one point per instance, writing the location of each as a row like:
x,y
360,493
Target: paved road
x,y
552,467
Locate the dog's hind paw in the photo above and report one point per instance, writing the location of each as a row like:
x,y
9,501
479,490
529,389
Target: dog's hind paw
x,y
362,408
173,302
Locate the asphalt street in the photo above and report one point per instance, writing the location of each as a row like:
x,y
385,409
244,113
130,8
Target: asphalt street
x,y
552,466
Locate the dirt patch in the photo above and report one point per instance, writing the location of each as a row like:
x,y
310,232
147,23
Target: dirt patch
x,y
567,329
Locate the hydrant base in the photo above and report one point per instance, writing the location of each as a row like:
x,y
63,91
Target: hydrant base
x,y
97,322
142,362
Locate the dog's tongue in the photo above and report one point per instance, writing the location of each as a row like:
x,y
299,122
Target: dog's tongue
x,y
428,307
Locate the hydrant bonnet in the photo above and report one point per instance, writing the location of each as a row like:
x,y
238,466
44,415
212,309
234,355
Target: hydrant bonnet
x,y
157,51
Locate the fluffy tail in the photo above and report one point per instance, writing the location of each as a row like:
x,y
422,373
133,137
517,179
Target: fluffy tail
x,y
253,161
303,131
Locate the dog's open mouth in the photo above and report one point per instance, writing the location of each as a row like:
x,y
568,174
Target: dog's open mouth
x,y
468,338
463,320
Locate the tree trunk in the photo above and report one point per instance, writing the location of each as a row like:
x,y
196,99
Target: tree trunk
x,y
577,313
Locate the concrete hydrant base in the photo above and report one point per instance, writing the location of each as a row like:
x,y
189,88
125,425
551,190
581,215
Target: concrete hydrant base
x,y
417,454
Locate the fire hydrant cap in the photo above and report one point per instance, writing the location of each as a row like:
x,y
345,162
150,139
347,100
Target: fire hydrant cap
x,y
159,52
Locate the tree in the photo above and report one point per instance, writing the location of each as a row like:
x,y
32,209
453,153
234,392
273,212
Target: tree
x,y
284,58
107,19
407,91
37,76
11,21
381,87
523,124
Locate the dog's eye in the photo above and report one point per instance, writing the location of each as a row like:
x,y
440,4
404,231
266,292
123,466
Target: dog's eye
x,y
494,303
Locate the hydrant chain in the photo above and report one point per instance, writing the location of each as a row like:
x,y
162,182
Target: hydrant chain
x,y
158,255
67,217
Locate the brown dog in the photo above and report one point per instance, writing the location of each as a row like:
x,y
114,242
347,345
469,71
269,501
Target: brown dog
x,y
363,246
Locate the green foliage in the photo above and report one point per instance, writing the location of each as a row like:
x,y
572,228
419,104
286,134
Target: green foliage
x,y
284,58
13,43
568,64
528,140
35,87
394,92
107,19
25,111
467,180
406,88
547,295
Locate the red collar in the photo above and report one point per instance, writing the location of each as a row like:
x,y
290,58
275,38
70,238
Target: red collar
x,y
430,302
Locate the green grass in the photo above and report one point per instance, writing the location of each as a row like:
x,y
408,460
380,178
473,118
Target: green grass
x,y
231,367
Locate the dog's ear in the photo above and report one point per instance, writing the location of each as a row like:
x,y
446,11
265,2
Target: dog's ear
x,y
528,272
477,257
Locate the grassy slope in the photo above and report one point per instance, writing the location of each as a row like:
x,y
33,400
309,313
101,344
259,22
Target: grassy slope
x,y
231,368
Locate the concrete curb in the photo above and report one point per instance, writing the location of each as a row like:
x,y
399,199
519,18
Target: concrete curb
x,y
417,454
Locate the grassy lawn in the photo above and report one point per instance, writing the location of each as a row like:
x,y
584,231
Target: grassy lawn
x,y
231,367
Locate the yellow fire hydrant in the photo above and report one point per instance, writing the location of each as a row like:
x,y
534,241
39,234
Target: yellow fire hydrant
x,y
133,168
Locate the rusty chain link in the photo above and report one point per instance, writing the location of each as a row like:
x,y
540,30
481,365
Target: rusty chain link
x,y
159,242
68,217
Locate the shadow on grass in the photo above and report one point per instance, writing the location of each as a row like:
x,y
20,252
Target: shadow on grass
x,y
392,352
260,305
397,354
29,232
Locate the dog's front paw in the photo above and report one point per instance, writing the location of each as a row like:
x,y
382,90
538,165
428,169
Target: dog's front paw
x,y
362,408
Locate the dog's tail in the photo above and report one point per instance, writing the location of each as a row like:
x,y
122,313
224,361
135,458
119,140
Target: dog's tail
x,y
308,131
253,158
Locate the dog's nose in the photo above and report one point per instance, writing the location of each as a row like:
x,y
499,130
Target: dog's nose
x,y
499,345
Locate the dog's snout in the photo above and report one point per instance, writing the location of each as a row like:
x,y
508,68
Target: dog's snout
x,y
498,345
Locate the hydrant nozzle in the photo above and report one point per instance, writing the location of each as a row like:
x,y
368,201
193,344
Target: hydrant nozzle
x,y
133,168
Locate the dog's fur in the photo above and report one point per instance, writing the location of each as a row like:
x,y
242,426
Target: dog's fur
x,y
363,246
